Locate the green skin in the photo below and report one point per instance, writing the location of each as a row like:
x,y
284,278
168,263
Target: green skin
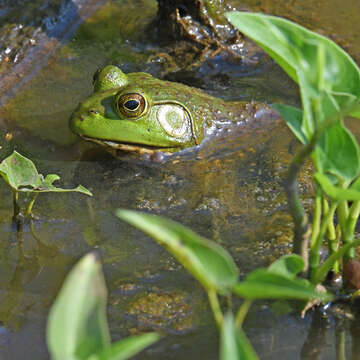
x,y
137,112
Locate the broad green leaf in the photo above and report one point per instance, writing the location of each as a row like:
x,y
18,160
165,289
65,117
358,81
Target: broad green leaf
x,y
338,153
323,270
335,192
288,266
125,349
21,174
77,325
234,345
18,171
207,261
293,119
328,77
262,284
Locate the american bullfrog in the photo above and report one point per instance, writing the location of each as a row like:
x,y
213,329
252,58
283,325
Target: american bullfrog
x,y
138,112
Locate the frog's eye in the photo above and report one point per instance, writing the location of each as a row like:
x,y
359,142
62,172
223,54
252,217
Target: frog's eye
x,y
131,105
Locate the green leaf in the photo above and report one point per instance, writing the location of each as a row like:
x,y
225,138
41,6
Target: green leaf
x,y
21,174
338,153
18,171
207,261
262,284
234,345
77,325
288,266
293,118
126,348
335,192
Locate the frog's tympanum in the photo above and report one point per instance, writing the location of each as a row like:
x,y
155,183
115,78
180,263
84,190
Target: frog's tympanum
x,y
137,112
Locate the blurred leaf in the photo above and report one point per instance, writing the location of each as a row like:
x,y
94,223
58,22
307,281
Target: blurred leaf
x,y
77,325
293,118
288,266
335,192
262,284
126,348
234,345
338,153
21,174
207,261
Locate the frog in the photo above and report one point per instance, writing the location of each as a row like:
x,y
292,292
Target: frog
x,y
139,113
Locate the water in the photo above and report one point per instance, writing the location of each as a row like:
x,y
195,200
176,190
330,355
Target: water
x,y
229,191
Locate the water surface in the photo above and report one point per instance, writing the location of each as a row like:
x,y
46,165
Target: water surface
x,y
229,191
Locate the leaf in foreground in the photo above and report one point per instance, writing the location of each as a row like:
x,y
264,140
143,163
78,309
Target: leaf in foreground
x,y
126,348
234,345
335,192
207,261
288,266
21,174
77,325
265,284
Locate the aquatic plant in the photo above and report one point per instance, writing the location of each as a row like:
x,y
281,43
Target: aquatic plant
x,y
329,82
77,325
22,176
217,272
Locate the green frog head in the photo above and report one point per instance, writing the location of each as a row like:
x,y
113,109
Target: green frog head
x,y
137,112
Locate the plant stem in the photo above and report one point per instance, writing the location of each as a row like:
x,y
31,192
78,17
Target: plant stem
x,y
296,209
242,312
333,240
331,231
320,273
215,307
348,236
317,216
31,204
343,213
16,205
315,249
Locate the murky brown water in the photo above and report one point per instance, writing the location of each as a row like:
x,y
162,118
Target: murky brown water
x,y
230,191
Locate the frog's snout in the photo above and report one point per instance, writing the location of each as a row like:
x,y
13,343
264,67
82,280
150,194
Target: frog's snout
x,y
76,118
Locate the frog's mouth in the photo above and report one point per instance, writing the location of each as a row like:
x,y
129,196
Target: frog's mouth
x,y
129,147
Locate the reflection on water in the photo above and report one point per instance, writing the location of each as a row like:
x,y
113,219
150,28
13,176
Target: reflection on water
x,y
230,190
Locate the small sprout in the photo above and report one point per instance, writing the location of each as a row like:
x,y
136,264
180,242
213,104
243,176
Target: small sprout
x,y
21,175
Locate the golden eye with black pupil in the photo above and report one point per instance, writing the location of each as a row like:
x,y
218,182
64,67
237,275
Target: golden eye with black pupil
x,y
131,105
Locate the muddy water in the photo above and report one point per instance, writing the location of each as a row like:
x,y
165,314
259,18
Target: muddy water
x,y
229,190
